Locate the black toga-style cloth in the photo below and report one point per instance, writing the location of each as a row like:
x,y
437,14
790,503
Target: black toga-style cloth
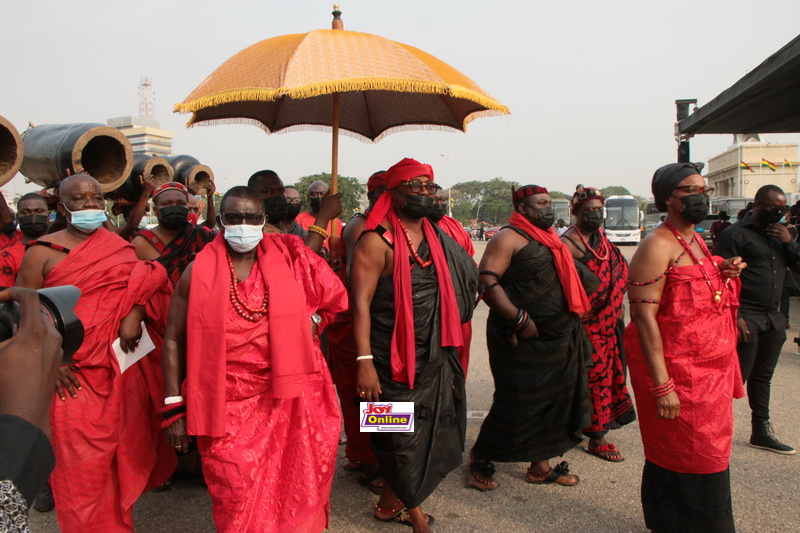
x,y
541,399
415,463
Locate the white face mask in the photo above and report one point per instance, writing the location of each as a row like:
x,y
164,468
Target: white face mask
x,y
243,237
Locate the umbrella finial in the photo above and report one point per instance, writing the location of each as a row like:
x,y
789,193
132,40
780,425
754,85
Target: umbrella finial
x,y
337,23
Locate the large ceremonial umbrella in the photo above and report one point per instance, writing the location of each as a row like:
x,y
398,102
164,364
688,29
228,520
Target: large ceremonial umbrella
x,y
365,85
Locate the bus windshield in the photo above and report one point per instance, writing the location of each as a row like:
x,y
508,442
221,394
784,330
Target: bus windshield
x,y
622,214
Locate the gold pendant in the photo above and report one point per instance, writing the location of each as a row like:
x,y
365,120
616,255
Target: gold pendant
x,y
717,296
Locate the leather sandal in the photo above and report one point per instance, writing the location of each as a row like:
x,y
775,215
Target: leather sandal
x,y
558,474
485,469
606,452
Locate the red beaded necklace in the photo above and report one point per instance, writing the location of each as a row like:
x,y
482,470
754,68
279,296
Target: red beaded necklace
x,y
246,312
717,294
603,244
412,250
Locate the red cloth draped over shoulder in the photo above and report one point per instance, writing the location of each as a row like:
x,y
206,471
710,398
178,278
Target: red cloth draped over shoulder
x,y
10,259
456,231
404,356
114,419
565,267
7,240
290,344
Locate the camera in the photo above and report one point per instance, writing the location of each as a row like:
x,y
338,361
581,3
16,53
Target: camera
x,y
58,305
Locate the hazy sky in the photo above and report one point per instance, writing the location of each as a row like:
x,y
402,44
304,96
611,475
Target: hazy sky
x,y
591,85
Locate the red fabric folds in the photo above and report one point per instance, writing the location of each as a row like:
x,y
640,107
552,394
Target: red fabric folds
x,y
108,440
565,267
456,231
10,259
291,346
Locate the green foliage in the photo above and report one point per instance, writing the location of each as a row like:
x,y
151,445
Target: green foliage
x,y
615,190
560,195
490,201
349,187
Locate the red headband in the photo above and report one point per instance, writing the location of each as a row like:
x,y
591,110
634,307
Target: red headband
x,y
405,170
376,180
524,192
170,185
583,195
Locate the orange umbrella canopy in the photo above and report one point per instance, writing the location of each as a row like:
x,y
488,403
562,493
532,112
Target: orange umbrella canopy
x,y
287,83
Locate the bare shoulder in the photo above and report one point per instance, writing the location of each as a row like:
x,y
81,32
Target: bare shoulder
x,y
654,255
570,244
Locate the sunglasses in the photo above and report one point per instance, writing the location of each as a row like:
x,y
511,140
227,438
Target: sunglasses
x,y
695,189
236,219
782,209
417,186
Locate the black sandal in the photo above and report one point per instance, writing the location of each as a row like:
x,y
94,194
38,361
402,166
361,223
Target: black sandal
x,y
558,474
487,470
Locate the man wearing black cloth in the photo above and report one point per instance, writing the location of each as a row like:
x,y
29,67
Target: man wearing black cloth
x,y
768,248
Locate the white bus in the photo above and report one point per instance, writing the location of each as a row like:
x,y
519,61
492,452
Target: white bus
x,y
623,219
561,210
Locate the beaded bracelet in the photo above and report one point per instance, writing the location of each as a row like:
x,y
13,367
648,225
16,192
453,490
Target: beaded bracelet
x,y
663,389
319,231
643,301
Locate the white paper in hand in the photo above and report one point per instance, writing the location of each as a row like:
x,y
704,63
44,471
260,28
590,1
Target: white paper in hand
x,y
126,360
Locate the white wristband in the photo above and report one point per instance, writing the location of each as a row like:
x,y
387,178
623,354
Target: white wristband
x,y
363,357
169,400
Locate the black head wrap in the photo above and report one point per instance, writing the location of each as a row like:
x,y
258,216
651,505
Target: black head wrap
x,y
667,178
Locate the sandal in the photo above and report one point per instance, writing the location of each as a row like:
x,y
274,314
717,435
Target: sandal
x,y
558,474
404,517
373,482
607,452
487,470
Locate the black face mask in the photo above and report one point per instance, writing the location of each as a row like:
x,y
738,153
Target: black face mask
x,y
592,220
546,217
173,216
34,225
438,211
11,228
695,208
276,208
765,218
292,210
315,203
417,206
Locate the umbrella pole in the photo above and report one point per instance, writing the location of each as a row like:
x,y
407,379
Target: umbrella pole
x,y
333,240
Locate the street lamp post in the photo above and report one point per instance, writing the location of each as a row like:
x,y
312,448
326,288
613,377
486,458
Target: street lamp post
x,y
449,183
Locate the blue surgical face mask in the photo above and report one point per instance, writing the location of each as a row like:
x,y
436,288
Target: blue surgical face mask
x,y
87,220
243,237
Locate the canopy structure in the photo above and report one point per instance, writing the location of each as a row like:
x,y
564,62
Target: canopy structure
x,y
766,100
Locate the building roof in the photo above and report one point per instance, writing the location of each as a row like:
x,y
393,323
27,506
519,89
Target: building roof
x,y
766,100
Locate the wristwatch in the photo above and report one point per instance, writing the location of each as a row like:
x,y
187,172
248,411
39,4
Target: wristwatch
x,y
316,319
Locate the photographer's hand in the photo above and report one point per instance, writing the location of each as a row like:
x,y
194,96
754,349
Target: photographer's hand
x,y
130,329
30,361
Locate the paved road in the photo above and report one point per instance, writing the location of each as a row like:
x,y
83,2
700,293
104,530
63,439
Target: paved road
x,y
766,486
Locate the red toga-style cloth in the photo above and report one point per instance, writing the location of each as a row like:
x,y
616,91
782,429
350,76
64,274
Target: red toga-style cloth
x,y
8,240
10,259
456,231
699,339
269,450
108,441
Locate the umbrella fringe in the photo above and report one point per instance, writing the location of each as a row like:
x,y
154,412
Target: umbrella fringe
x,y
342,131
319,89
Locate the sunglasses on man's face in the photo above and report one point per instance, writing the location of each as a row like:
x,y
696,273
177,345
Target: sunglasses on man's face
x,y
417,186
235,219
777,209
695,189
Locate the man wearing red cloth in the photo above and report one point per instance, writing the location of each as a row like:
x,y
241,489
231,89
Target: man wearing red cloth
x,y
244,375
681,349
456,232
107,435
9,234
33,217
612,406
316,192
407,327
538,350
342,355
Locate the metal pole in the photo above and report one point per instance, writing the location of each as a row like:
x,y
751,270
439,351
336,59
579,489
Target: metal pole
x,y
449,183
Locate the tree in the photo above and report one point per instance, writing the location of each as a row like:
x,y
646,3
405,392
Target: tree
x,y
351,191
476,201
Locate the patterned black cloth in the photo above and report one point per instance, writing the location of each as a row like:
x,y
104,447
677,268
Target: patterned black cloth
x,y
541,399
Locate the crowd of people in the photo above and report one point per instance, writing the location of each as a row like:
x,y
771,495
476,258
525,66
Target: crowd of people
x,y
272,327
